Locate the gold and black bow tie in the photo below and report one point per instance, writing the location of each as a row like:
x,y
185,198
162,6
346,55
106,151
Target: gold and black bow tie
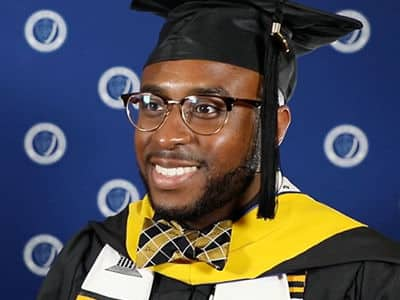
x,y
161,241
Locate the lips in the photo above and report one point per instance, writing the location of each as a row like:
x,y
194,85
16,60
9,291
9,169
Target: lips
x,y
172,177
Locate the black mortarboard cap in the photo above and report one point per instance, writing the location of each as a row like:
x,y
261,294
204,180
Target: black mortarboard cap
x,y
261,35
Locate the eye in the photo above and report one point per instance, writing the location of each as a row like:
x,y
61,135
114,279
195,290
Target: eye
x,y
207,107
153,106
151,103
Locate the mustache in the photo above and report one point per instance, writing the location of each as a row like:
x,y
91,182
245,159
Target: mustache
x,y
176,154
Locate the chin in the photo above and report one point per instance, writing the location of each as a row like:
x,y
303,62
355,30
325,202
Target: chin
x,y
173,207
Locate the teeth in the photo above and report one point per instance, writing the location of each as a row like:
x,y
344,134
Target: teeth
x,y
174,171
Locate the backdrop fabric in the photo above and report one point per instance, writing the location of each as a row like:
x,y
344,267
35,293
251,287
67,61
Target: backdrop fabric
x,y
67,152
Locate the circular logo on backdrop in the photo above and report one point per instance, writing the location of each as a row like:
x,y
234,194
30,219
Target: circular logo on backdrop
x,y
40,252
356,40
45,143
115,195
346,146
45,31
117,81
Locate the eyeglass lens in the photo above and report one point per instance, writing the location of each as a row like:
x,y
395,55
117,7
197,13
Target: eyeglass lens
x,y
202,114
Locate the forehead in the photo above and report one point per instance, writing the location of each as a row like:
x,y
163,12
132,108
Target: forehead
x,y
182,76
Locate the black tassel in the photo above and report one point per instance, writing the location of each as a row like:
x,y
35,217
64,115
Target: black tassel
x,y
269,109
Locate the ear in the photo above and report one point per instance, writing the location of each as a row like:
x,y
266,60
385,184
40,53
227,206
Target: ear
x,y
283,122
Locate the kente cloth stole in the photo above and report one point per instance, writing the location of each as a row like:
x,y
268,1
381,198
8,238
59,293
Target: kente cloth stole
x,y
113,276
162,241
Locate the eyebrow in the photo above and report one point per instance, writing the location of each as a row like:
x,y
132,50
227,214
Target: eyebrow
x,y
217,90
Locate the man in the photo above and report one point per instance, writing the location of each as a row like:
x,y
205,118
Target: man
x,y
220,221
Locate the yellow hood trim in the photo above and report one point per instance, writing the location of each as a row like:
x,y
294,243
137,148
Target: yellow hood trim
x,y
257,245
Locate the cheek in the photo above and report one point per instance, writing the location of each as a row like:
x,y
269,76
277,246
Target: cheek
x,y
229,148
140,141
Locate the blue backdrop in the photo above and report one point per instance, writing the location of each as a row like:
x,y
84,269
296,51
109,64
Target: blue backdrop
x,y
67,150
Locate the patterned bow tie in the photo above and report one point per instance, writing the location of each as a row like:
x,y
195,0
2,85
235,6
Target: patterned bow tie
x,y
162,241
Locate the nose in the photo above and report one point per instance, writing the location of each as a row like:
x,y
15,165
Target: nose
x,y
173,132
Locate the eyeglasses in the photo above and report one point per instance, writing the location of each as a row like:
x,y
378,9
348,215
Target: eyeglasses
x,y
203,114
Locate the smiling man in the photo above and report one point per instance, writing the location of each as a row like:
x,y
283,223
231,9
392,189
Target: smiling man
x,y
220,221
200,163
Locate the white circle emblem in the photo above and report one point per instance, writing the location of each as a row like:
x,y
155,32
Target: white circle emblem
x,y
115,195
357,40
117,81
45,143
45,31
346,146
40,252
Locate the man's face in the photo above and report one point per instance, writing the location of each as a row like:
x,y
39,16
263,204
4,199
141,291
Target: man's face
x,y
216,169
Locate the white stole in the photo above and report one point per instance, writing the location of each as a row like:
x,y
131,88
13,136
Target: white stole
x,y
116,277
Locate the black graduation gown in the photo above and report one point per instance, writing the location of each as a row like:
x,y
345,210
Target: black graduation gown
x,y
353,265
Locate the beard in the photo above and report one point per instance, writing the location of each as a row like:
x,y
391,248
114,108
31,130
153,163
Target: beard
x,y
218,192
